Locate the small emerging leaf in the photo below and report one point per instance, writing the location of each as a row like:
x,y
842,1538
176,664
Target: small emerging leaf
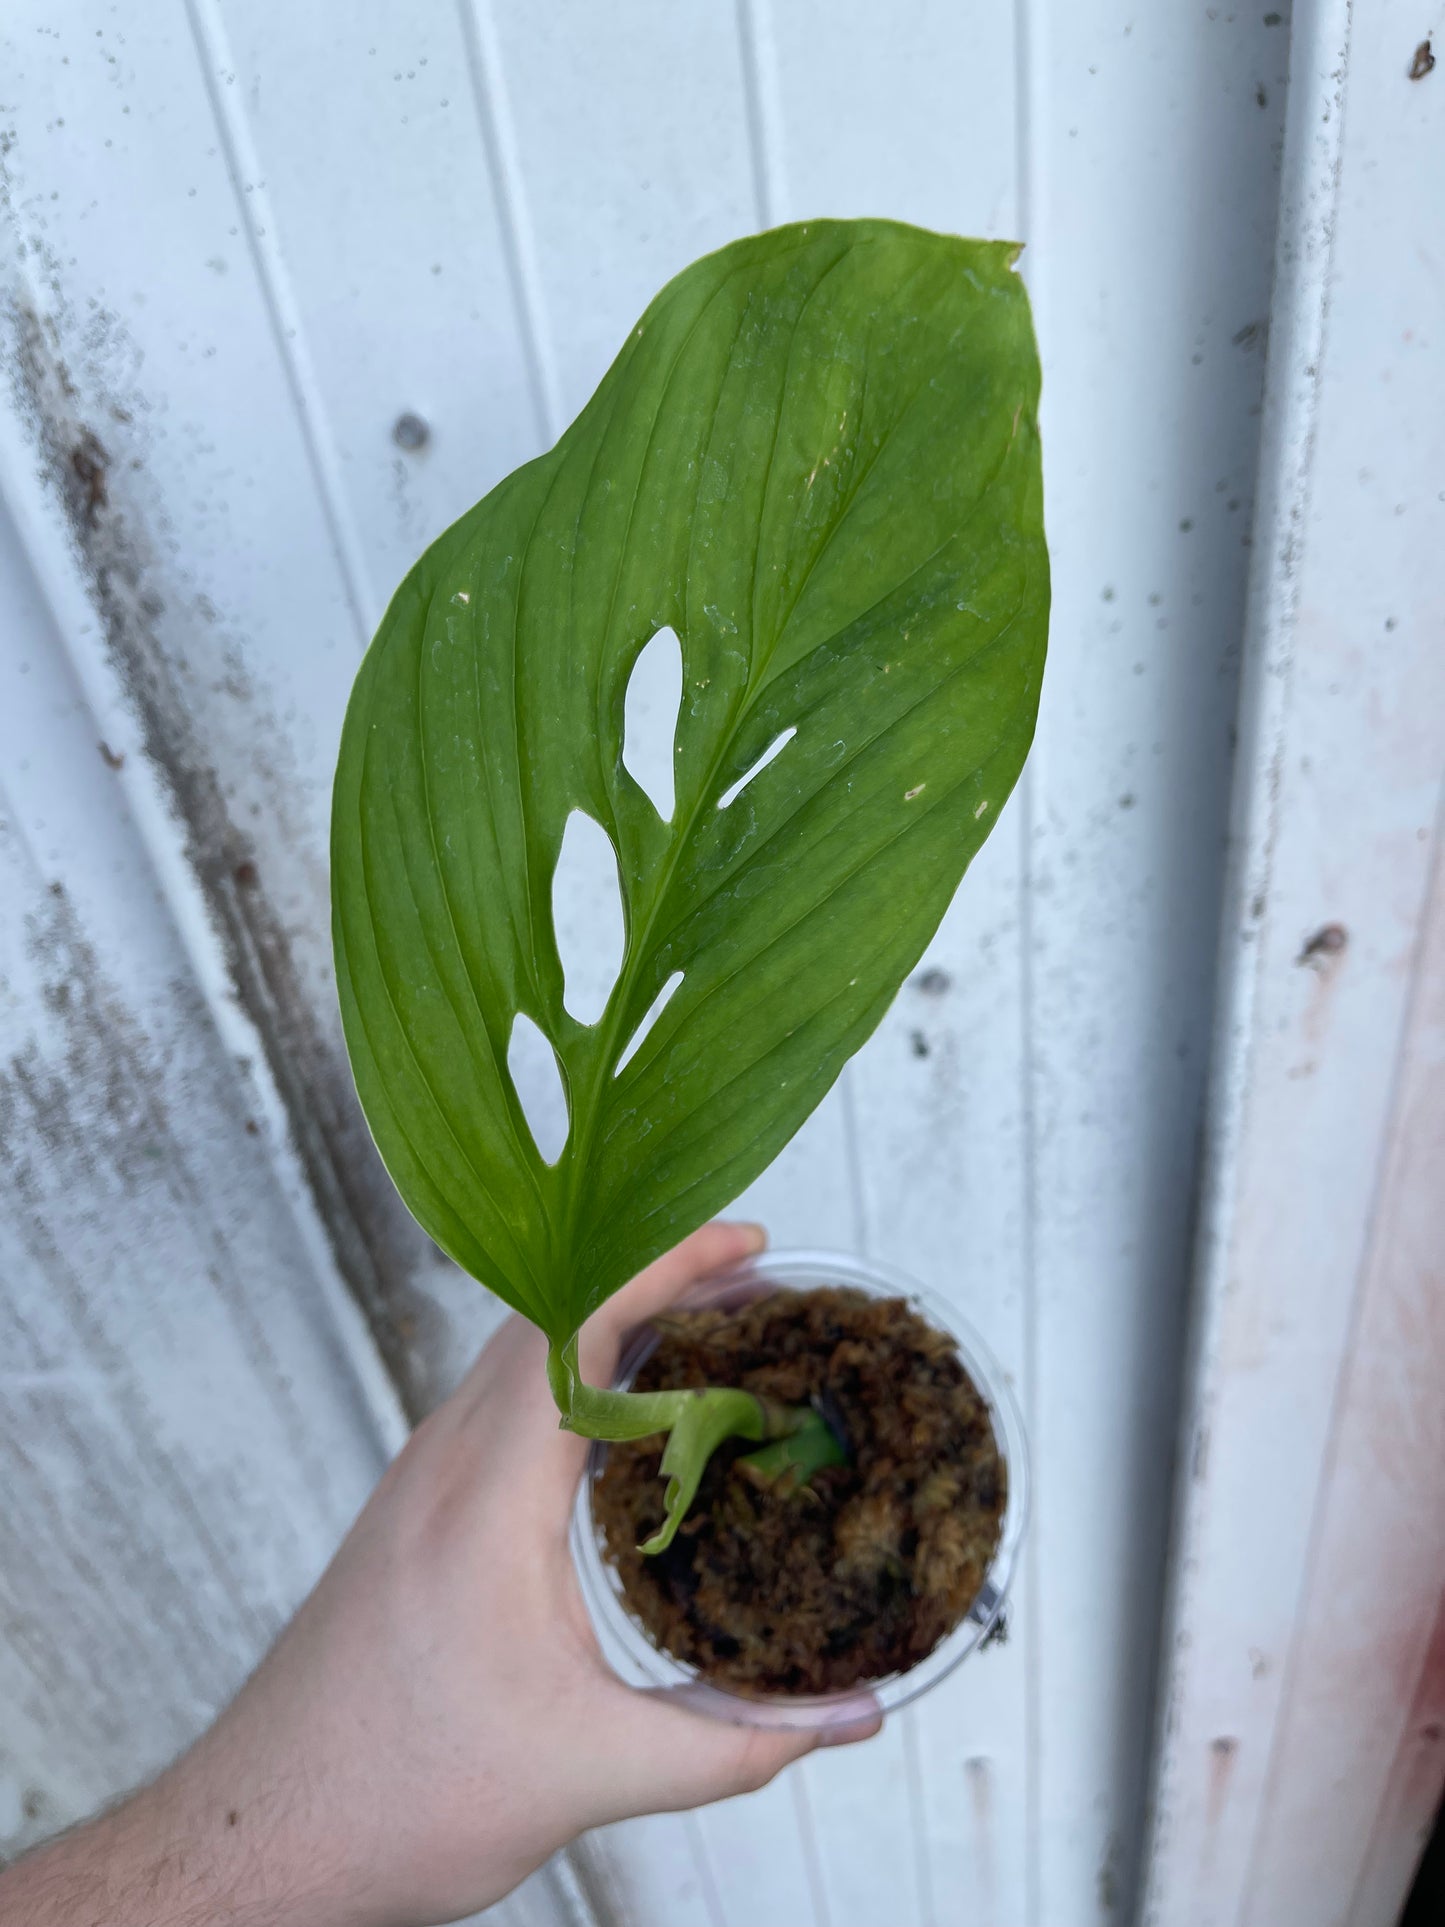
x,y
786,1465
816,461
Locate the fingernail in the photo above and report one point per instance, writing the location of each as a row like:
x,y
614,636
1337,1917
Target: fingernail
x,y
848,1735
755,1234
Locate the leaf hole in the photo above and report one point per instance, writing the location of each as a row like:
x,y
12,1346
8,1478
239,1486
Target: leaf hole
x,y
734,790
537,1079
654,1011
649,719
587,917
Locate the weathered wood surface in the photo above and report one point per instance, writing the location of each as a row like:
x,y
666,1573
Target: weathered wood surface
x,y
249,239
183,1426
1304,1744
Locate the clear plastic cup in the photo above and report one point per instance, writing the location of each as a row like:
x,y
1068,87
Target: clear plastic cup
x,y
628,1648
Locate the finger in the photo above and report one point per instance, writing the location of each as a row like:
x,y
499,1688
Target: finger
x,y
858,1717
667,1757
513,1361
849,1732
712,1248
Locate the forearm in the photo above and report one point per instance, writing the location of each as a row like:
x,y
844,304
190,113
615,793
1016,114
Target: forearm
x,y
172,1855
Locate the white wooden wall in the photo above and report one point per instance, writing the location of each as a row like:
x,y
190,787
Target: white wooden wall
x,y
1303,1744
244,239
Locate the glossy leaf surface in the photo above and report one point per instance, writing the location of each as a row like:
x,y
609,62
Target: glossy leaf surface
x,y
816,460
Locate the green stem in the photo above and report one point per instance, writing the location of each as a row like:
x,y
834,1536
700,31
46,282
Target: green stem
x,y
696,1423
786,1464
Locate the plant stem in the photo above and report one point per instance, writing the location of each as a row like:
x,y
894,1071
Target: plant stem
x,y
696,1423
786,1464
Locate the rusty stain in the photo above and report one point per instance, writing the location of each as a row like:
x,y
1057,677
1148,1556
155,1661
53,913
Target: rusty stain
x,y
375,1244
918,1043
1422,62
112,758
1328,941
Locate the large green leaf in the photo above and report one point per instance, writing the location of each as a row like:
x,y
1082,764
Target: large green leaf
x,y
816,458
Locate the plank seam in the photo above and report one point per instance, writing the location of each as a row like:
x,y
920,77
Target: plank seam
x,y
258,222
706,1875
761,109
1299,308
1026,76
808,1837
499,140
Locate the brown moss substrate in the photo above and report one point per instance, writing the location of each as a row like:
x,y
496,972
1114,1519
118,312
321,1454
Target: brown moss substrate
x,y
861,1574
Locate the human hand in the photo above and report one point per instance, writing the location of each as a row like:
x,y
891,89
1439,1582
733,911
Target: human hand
x,y
437,1719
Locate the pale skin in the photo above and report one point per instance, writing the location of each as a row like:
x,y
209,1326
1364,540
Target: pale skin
x,y
437,1719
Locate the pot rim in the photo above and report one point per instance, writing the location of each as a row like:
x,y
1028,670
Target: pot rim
x,y
630,1651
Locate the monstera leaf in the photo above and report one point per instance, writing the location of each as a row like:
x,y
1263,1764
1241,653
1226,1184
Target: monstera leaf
x,y
816,460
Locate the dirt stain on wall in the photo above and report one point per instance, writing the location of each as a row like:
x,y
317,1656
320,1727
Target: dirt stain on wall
x,y
375,1243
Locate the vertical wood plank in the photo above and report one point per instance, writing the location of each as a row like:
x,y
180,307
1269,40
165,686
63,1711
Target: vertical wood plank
x,y
184,1434
908,112
1150,261
387,215
944,1169
204,533
135,255
1312,1450
1355,1779
656,1869
631,144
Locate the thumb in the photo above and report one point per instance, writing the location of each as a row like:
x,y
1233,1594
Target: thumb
x,y
684,1757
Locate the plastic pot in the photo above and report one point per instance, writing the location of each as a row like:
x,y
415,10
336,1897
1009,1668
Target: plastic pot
x,y
627,1646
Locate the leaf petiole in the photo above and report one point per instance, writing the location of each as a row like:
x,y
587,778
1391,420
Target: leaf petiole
x,y
696,1423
